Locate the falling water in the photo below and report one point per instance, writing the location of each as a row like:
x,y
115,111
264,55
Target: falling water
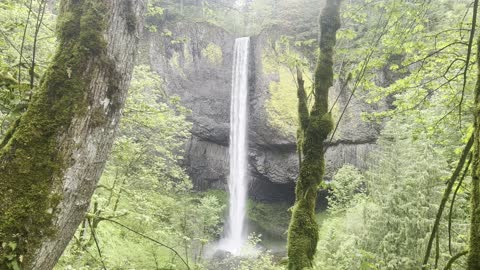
x,y
235,235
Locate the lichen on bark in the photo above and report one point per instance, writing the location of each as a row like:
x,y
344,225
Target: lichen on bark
x,y
315,125
31,165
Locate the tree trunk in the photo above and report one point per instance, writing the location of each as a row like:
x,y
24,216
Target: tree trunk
x,y
314,129
52,158
473,262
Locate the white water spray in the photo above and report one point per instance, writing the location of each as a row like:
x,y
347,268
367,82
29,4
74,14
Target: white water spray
x,y
235,234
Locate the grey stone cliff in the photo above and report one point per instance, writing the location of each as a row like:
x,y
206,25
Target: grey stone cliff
x,y
195,61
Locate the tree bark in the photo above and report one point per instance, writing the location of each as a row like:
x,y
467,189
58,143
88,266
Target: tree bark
x,y
52,159
314,127
473,260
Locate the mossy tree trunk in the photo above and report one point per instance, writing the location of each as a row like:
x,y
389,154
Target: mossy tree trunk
x,y
315,125
473,261
53,156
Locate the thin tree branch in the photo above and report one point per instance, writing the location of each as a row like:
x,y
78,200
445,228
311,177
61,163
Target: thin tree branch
x,y
23,42
11,44
341,91
96,243
361,74
437,250
446,194
144,236
432,54
453,202
469,52
454,258
41,9
357,82
79,242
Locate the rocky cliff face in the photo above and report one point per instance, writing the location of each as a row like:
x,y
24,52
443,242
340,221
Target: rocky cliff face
x,y
195,61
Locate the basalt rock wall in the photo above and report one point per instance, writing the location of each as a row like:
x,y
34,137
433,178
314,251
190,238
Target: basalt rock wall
x,y
195,62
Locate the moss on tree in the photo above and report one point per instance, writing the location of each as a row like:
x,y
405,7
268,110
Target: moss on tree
x,y
314,129
473,261
31,165
303,114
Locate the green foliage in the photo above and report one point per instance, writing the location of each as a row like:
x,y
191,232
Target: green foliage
x,y
223,13
411,53
145,188
14,94
297,18
264,262
338,242
213,53
345,187
381,219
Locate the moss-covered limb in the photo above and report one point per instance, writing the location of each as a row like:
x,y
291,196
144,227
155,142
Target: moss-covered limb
x,y
303,113
473,260
9,133
31,165
303,229
314,129
329,25
302,234
446,195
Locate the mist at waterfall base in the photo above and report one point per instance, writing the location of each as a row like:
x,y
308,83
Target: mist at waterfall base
x,y
235,231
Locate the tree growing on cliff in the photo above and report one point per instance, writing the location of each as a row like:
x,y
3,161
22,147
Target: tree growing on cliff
x,y
52,157
315,125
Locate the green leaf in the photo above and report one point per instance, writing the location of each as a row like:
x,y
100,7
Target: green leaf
x,y
12,245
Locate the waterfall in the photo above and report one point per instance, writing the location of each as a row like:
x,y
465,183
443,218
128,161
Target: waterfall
x,y
235,234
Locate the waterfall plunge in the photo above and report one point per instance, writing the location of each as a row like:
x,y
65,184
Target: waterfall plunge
x,y
235,235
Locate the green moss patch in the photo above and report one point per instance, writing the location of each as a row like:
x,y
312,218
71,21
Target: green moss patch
x,y
31,165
